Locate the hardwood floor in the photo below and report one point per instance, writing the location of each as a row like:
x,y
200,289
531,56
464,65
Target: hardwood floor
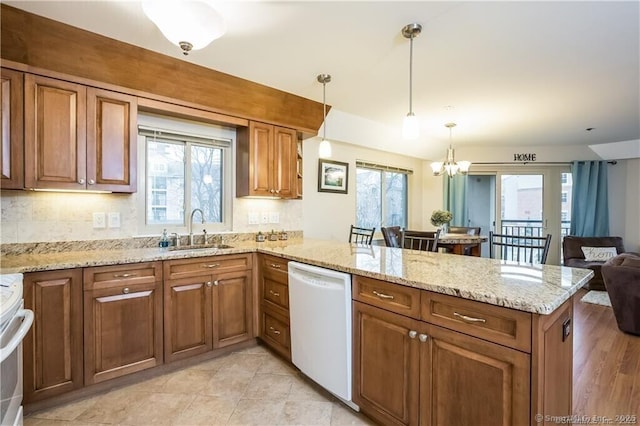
x,y
606,366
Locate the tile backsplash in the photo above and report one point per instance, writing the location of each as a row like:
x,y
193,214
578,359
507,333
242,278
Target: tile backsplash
x,y
29,217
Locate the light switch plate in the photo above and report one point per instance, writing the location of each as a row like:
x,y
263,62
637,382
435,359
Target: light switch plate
x,y
114,219
99,220
274,217
253,218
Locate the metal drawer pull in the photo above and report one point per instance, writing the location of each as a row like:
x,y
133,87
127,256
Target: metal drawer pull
x,y
274,293
413,334
468,319
125,290
383,296
91,182
274,330
275,265
124,275
423,337
216,282
211,265
209,283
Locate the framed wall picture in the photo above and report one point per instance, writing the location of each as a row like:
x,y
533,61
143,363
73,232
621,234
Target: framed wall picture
x,y
333,176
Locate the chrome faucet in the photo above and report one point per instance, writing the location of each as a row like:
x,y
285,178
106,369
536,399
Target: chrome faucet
x,y
191,224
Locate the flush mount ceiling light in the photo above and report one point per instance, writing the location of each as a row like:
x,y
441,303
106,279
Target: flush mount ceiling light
x,y
411,127
450,166
191,25
324,150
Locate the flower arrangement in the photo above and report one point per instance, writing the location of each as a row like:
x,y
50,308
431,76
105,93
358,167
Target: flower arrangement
x,y
440,217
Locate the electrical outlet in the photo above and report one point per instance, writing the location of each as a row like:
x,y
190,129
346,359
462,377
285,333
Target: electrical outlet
x,y
114,219
253,218
99,220
264,217
274,217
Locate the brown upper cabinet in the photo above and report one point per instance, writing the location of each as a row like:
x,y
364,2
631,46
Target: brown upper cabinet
x,y
78,137
11,113
266,161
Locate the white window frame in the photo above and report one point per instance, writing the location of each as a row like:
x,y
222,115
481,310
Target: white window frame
x,y
226,140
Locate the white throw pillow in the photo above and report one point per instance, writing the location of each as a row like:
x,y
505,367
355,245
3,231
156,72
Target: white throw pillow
x,y
599,254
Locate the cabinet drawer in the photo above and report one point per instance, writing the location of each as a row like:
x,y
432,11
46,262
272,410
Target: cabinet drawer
x,y
505,326
175,269
274,264
392,297
119,275
275,332
276,292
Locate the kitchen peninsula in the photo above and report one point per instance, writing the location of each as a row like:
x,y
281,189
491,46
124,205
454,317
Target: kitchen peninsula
x,y
436,337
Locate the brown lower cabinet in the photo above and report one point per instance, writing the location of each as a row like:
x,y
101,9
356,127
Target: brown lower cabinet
x,y
122,320
53,358
274,304
207,304
424,358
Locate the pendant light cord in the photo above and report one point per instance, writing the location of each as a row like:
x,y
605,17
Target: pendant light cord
x,y
324,109
411,75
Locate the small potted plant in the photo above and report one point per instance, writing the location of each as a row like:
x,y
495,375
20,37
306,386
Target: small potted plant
x,y
441,219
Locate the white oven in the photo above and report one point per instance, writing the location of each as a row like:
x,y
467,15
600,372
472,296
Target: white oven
x,y
15,322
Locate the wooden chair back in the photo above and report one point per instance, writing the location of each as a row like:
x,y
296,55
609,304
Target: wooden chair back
x,y
468,230
520,248
361,235
421,240
392,236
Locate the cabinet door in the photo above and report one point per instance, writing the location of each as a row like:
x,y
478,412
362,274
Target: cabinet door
x,y
54,134
122,330
386,365
472,381
285,162
53,347
232,308
11,113
187,317
111,141
261,158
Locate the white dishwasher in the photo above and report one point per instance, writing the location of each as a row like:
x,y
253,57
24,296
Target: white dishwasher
x,y
320,313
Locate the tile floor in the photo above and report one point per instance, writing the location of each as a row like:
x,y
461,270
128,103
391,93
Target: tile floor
x,y
250,387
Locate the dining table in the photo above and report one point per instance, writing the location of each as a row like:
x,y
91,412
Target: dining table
x,y
458,243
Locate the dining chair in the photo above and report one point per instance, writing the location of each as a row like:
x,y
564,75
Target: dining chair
x,y
468,230
361,235
421,240
392,236
521,248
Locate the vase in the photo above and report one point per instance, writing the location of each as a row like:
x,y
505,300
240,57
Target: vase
x,y
444,229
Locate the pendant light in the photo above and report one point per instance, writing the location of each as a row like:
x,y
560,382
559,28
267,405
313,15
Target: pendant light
x,y
450,166
191,25
411,126
324,150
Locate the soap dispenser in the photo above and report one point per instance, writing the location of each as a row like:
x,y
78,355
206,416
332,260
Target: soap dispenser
x,y
164,240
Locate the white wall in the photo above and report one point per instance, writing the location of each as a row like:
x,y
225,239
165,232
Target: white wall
x,y
624,202
329,215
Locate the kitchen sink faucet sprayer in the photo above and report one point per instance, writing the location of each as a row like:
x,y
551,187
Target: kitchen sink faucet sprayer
x,y
191,224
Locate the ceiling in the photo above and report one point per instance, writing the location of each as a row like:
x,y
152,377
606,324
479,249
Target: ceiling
x,y
514,73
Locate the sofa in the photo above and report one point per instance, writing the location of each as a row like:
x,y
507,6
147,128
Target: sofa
x,y
573,255
621,276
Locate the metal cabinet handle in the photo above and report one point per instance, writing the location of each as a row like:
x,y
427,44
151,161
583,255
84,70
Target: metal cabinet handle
x,y
276,294
423,337
209,283
468,319
277,191
383,296
413,334
216,282
81,181
91,182
211,265
126,275
125,290
276,332
275,265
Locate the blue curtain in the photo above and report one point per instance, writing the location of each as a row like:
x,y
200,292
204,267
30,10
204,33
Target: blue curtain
x,y
455,198
589,201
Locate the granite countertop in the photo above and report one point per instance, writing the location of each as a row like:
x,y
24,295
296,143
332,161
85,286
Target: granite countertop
x,y
531,288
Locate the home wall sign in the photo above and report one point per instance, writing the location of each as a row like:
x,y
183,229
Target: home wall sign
x,y
524,157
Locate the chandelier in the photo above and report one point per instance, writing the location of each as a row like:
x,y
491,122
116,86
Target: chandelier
x,y
450,167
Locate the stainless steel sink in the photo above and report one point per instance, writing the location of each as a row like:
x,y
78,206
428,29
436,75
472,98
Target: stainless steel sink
x,y
200,247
